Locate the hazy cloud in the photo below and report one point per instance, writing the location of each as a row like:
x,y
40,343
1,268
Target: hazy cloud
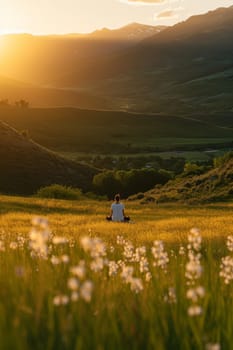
x,y
168,13
149,2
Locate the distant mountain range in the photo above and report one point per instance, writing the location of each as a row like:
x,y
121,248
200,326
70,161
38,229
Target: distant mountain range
x,y
185,69
132,32
27,166
45,59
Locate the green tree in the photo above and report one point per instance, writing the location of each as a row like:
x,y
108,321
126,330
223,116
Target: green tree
x,y
106,183
22,104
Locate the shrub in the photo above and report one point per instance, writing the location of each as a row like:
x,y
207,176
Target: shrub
x,y
219,161
59,192
193,169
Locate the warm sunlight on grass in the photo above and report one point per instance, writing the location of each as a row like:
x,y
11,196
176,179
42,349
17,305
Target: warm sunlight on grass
x,y
82,283
170,223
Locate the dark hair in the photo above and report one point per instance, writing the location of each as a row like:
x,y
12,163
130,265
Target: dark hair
x,y
117,197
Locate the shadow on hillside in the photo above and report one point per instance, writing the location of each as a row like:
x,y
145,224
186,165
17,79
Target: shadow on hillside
x,y
38,209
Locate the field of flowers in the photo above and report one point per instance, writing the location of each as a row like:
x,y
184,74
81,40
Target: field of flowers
x,y
70,280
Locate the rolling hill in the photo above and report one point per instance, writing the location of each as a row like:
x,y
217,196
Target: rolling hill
x,y
215,185
26,166
40,96
77,130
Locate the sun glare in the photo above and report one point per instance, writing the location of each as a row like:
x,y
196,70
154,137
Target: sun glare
x,y
2,43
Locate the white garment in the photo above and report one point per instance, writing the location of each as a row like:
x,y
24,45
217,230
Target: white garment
x,y
117,211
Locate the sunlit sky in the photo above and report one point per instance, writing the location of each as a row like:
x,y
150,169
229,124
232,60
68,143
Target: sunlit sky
x,y
81,16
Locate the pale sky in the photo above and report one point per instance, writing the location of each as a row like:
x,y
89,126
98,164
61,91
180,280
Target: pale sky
x,y
81,16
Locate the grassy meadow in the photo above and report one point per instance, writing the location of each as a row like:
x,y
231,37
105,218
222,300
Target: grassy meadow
x,y
79,282
73,130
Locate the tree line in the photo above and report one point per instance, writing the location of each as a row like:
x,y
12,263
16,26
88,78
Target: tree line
x,y
5,103
128,182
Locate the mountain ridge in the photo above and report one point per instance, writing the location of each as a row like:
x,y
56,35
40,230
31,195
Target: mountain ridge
x,y
185,69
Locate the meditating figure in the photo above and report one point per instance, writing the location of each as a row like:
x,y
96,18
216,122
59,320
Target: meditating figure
x,y
117,212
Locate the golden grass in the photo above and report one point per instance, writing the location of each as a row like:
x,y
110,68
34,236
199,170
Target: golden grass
x,y
170,223
116,318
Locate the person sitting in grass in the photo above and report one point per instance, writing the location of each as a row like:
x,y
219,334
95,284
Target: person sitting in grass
x,y
118,211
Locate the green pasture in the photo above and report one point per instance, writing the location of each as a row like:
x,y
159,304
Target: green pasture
x,y
38,294
112,132
188,155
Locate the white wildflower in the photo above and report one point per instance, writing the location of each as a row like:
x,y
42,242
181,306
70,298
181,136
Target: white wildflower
x,y
60,300
121,263
74,296
13,245
230,243
136,285
79,270
195,293
194,310
139,253
21,241
160,255
129,251
86,291
65,259
97,264
2,246
143,264
113,268
94,246
39,237
181,250
170,297
148,277
127,273
111,249
55,260
59,240
73,283
120,240
86,243
194,239
226,269
193,270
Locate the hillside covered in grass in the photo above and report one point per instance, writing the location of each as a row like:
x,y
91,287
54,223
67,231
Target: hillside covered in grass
x,y
13,90
96,131
215,185
26,166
